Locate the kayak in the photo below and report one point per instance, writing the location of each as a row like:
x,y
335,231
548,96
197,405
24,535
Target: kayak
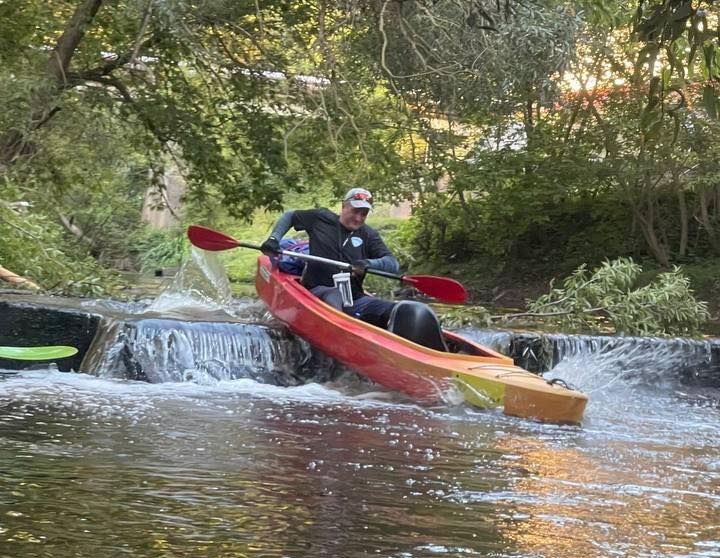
x,y
37,353
485,378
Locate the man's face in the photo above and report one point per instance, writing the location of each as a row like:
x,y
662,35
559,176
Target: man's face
x,y
352,218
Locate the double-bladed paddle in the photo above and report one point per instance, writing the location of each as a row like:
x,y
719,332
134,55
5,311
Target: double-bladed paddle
x,y
442,288
37,353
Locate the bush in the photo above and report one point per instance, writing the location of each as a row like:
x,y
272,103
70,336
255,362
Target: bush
x,y
159,248
665,306
35,247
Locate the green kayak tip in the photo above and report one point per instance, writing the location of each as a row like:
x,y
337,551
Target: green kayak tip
x,y
37,353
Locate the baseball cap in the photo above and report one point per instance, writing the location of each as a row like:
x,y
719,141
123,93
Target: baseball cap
x,y
359,197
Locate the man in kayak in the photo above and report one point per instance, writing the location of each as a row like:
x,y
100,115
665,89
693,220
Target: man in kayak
x,y
346,238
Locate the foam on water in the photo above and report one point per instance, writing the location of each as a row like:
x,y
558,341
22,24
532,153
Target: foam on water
x,y
127,396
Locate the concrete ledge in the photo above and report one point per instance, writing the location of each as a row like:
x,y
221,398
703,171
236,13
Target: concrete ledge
x,y
24,323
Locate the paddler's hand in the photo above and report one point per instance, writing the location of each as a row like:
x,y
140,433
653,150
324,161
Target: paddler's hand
x,y
359,268
271,247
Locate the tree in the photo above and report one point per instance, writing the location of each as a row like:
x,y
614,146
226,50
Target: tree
x,y
636,131
228,87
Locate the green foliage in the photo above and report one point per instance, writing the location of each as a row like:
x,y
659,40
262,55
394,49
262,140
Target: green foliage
x,y
468,58
93,184
583,184
530,206
158,248
261,100
34,247
467,316
666,306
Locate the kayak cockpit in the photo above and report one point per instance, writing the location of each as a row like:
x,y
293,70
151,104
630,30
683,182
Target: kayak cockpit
x,y
416,322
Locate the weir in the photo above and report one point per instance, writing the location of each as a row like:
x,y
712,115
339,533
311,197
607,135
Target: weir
x,y
161,350
693,362
195,331
129,341
157,341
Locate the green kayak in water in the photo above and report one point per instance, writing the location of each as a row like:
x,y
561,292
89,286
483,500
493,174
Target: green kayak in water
x,y
37,353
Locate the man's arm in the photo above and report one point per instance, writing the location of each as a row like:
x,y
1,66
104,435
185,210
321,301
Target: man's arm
x,y
271,246
379,257
387,263
282,226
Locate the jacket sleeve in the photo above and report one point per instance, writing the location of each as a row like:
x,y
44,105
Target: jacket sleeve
x,y
379,257
282,226
305,219
386,263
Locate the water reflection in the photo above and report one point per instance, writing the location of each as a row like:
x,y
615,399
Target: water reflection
x,y
99,467
633,483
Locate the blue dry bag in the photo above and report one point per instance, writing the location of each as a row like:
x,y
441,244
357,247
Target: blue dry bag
x,y
288,264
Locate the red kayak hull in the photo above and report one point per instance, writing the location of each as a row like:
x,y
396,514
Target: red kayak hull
x,y
486,378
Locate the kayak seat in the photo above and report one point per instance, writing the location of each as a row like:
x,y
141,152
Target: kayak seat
x,y
418,323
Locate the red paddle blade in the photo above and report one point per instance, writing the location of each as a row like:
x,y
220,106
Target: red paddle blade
x,y
442,288
208,239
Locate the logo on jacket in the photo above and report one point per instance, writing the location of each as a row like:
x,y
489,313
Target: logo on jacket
x,y
356,241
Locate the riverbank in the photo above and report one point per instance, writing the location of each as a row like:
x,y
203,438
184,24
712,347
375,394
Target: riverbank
x,y
510,289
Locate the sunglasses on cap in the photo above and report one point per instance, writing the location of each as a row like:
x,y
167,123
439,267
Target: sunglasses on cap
x,y
360,196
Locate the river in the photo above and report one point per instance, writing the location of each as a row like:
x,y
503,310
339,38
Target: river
x,y
102,467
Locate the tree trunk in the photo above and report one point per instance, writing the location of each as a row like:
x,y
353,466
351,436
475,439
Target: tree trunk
x,y
528,121
646,219
44,98
656,248
682,205
73,229
706,200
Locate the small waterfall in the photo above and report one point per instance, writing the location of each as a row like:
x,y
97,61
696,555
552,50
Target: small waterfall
x,y
653,360
496,339
195,332
646,360
165,350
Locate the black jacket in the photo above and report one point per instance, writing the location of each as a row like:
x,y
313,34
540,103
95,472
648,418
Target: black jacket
x,y
329,239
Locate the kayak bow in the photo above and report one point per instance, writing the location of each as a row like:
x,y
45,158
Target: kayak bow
x,y
37,353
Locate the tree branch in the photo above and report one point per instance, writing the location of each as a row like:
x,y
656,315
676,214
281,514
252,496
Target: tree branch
x,y
15,279
68,42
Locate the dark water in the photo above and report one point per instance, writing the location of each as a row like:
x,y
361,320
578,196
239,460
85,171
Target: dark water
x,y
101,467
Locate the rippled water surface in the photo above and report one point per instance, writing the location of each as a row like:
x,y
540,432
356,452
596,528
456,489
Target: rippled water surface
x,y
98,467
